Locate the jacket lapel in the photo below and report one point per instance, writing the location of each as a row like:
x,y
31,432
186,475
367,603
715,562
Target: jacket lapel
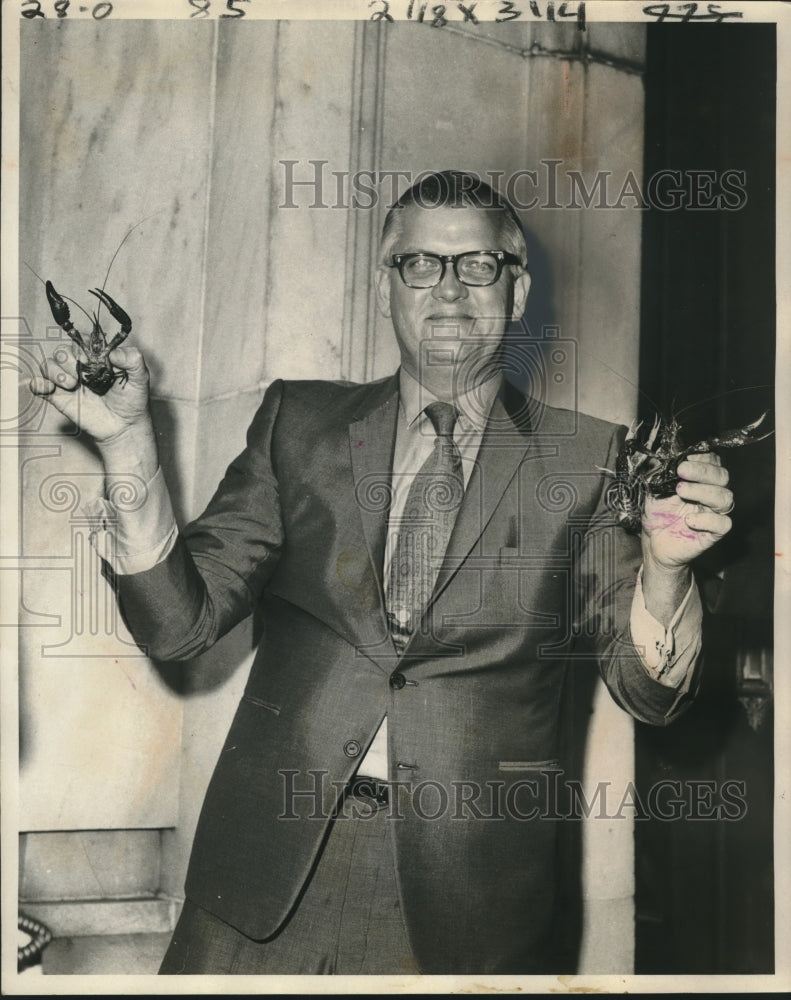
x,y
371,444
507,440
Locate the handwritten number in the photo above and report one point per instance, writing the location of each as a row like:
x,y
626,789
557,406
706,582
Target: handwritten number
x,y
661,11
716,14
237,11
383,14
36,11
201,8
579,13
99,12
658,10
508,9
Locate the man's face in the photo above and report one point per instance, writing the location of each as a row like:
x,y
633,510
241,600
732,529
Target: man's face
x,y
463,324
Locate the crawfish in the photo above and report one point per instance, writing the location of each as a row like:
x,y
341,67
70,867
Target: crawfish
x,y
649,468
96,372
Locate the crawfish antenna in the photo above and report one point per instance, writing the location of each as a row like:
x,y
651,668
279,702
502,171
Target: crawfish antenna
x,y
118,250
77,304
34,272
724,394
618,374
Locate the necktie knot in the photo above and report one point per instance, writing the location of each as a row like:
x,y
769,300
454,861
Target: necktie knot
x,y
443,417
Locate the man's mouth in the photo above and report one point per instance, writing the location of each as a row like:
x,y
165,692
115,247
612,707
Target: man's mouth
x,y
448,318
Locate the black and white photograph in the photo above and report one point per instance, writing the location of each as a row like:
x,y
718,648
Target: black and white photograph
x,y
393,501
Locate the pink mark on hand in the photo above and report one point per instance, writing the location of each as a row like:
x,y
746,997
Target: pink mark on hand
x,y
674,523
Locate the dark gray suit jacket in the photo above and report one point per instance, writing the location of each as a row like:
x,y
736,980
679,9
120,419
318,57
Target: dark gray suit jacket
x,y
537,576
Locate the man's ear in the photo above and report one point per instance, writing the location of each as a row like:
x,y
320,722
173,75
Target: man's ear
x,y
521,288
382,277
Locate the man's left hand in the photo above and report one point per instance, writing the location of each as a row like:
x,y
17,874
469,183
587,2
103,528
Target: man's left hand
x,y
678,529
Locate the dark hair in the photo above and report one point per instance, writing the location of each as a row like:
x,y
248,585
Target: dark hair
x,y
455,189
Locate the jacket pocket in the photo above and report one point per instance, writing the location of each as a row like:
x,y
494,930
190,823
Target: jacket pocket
x,y
552,764
268,705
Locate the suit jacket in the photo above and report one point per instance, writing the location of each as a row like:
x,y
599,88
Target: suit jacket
x,y
536,578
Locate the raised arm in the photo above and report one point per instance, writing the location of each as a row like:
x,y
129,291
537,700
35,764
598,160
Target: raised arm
x,y
181,601
642,608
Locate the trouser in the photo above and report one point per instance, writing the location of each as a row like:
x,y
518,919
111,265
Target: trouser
x,y
347,920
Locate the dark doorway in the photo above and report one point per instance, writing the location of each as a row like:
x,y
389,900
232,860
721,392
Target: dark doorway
x,y
705,872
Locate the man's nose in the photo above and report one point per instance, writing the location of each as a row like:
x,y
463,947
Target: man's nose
x,y
450,288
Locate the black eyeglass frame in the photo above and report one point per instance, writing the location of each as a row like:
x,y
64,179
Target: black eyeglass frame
x,y
502,257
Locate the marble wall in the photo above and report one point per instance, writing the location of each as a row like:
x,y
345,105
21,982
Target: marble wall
x,y
182,128
100,727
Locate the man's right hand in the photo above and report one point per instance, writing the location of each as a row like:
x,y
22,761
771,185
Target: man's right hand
x,y
119,422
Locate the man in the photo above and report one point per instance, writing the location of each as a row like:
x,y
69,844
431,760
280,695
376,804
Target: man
x,y
383,802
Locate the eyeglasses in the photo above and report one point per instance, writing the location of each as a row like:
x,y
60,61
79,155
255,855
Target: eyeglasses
x,y
474,267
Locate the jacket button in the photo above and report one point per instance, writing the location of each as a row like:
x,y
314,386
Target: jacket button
x,y
352,748
397,681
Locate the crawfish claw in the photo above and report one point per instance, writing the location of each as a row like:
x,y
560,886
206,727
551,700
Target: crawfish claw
x,y
60,311
736,437
749,428
118,314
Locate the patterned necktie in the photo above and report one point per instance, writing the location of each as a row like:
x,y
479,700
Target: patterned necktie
x,y
424,527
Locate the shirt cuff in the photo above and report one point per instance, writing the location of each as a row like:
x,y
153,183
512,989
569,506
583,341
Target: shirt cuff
x,y
135,538
668,654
